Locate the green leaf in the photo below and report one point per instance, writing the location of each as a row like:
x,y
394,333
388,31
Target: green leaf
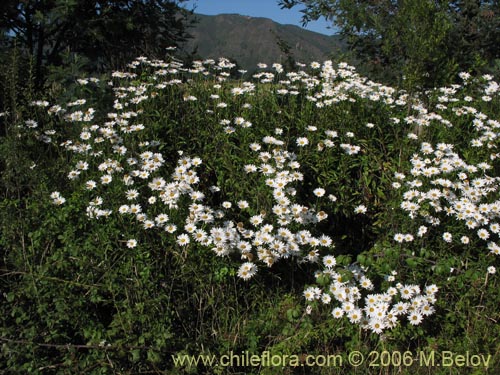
x,y
10,297
153,356
136,355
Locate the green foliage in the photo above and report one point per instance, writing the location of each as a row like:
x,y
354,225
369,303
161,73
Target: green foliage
x,y
424,43
77,299
107,34
421,31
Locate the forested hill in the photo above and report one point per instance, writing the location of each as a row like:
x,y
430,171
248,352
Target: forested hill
x,y
251,40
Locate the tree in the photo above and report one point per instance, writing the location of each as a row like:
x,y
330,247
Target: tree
x,y
288,60
477,30
107,32
425,42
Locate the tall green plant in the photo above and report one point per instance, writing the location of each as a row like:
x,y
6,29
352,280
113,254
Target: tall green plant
x,y
108,33
426,42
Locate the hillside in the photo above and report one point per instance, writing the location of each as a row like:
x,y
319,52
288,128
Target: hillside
x,y
160,224
251,40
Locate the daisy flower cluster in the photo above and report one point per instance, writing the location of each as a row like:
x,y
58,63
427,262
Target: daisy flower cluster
x,y
335,84
57,198
280,170
351,293
152,198
123,170
446,185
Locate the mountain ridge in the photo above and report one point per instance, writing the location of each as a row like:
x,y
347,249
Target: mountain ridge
x,y
252,40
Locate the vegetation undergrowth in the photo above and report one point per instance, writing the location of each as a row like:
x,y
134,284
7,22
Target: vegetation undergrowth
x,y
168,210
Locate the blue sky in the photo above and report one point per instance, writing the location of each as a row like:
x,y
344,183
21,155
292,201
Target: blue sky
x,y
258,8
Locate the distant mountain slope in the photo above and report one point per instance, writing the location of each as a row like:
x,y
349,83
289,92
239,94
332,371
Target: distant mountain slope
x,y
251,40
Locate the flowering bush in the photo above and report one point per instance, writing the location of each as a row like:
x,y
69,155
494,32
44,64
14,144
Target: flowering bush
x,y
124,173
375,193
